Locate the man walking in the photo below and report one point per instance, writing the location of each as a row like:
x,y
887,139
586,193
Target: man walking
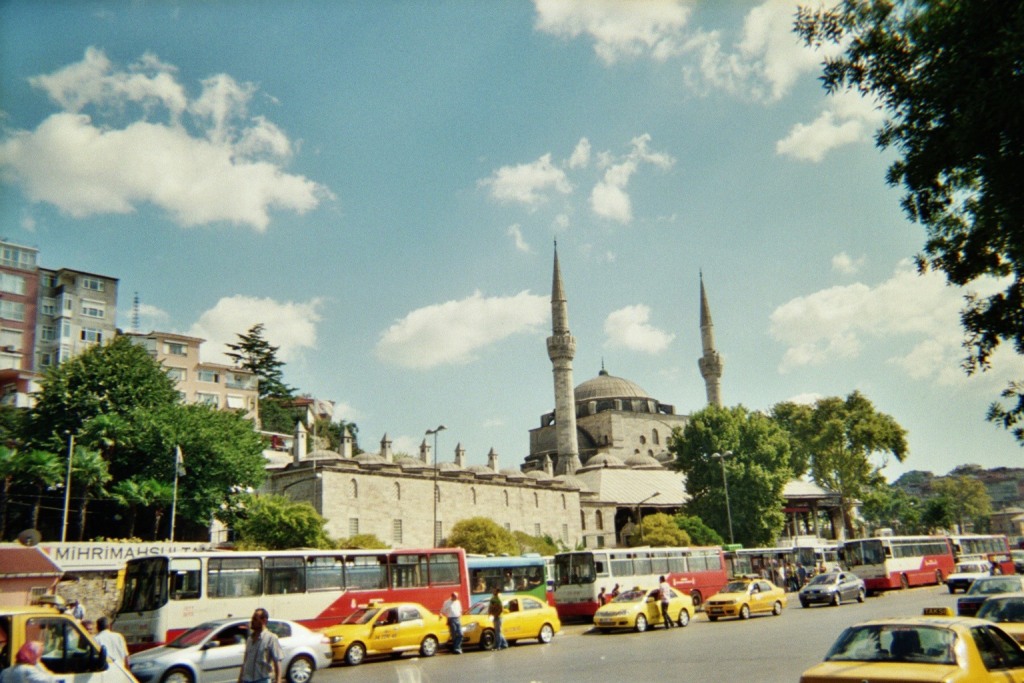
x,y
496,608
664,594
452,610
262,660
117,649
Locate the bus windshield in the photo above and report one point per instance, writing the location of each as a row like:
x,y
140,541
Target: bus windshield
x,y
574,568
145,585
864,552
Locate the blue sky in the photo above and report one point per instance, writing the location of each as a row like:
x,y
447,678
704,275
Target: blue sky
x,y
381,184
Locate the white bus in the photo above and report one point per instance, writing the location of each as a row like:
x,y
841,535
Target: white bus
x,y
888,562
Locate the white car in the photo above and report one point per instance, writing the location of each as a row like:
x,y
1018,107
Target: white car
x,y
965,573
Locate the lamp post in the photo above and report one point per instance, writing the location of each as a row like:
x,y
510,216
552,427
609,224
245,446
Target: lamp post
x,y
639,519
67,489
725,483
434,432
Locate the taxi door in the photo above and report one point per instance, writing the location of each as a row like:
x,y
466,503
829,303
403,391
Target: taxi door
x,y
384,635
653,608
69,653
760,599
410,628
512,620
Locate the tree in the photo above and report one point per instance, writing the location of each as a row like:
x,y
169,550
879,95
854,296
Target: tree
x,y
887,506
659,529
89,477
367,541
483,536
256,354
838,437
39,470
699,532
277,523
948,77
542,545
968,501
8,469
757,471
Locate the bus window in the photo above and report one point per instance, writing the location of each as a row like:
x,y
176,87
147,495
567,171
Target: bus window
x,y
325,573
184,579
408,571
234,577
284,575
444,569
366,571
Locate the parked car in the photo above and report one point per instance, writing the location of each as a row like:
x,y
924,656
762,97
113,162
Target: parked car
x,y
743,597
640,609
524,618
832,588
968,605
212,653
1018,560
387,628
1007,610
965,573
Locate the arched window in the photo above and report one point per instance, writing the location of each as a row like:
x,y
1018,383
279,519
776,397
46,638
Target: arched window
x,y
353,489
398,491
655,439
583,521
563,502
536,500
599,520
643,439
473,491
506,498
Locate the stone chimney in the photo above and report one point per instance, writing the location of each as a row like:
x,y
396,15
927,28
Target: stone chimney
x,y
299,442
346,443
424,452
385,449
492,459
460,457
549,469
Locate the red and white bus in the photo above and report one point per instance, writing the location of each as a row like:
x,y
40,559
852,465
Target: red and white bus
x,y
166,594
579,576
888,562
991,547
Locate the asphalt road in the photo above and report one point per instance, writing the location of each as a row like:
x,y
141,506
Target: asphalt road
x,y
763,649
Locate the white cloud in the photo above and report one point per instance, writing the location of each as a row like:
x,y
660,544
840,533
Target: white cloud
x,y
914,319
847,118
454,332
806,399
629,328
516,233
620,30
527,183
289,325
609,198
845,264
580,155
96,157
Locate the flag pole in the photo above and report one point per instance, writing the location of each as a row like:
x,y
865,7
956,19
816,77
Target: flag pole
x,y
174,500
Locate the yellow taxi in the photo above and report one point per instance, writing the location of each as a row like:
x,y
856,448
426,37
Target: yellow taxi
x,y
745,596
523,618
640,608
1007,610
927,648
69,652
387,628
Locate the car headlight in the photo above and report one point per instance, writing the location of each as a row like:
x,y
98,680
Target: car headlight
x,y
470,628
337,640
140,666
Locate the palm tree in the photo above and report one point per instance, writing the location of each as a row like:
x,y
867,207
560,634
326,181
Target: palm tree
x,y
89,474
160,495
39,470
130,493
8,468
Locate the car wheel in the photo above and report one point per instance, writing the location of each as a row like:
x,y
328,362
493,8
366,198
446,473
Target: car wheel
x,y
546,633
355,654
428,648
745,612
836,599
860,595
487,639
777,608
904,582
684,617
698,600
178,675
711,618
641,623
301,670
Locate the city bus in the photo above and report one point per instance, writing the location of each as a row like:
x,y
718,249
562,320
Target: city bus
x,y
888,562
166,594
579,576
520,574
991,547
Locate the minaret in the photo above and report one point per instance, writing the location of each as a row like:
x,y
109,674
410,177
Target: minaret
x,y
710,363
561,349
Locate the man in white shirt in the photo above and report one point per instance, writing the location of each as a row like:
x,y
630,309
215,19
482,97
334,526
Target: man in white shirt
x,y
117,649
452,610
664,594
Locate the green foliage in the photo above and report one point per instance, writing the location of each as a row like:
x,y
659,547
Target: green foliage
x,y
256,354
967,501
659,530
757,471
947,77
277,523
89,477
366,541
891,507
482,536
542,545
699,532
938,515
837,437
276,415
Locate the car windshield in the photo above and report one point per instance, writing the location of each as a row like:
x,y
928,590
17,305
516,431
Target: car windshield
x,y
991,586
894,643
480,607
736,587
193,636
630,596
363,615
823,579
1007,610
970,568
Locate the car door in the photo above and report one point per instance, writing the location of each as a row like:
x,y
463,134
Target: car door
x,y
653,608
410,627
762,599
384,635
70,654
220,657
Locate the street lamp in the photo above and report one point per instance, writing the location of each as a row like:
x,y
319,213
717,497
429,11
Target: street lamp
x,y
67,489
725,482
434,432
639,519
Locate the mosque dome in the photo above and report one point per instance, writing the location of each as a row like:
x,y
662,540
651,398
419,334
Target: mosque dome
x,y
513,474
603,460
322,454
571,482
642,461
539,475
371,459
608,386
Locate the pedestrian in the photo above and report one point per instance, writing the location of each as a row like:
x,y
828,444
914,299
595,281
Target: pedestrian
x,y
801,571
664,594
76,609
452,611
26,667
261,662
615,591
117,648
602,597
495,609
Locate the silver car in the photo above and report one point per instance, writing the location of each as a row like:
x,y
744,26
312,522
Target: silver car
x,y
212,653
832,588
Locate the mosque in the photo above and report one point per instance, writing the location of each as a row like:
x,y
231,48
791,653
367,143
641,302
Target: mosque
x,y
597,464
